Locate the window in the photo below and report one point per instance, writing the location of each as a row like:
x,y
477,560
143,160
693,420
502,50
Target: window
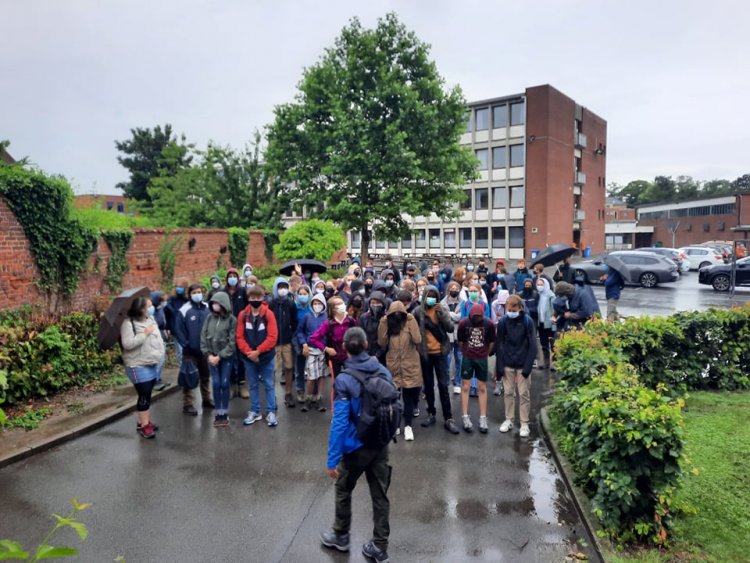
x,y
498,237
467,117
420,238
482,156
482,119
499,198
480,237
481,198
379,243
356,239
434,238
517,196
464,238
516,155
466,204
706,227
720,226
406,242
517,113
110,205
515,235
498,158
500,116
121,207
449,238
392,244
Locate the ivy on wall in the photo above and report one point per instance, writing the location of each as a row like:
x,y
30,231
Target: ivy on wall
x,y
168,250
118,241
238,243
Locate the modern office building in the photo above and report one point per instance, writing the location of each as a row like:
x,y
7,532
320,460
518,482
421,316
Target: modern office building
x,y
542,178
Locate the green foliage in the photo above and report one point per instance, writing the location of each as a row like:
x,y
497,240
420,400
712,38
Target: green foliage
x,y
119,242
238,243
12,550
100,219
61,244
373,134
665,188
312,239
168,250
28,419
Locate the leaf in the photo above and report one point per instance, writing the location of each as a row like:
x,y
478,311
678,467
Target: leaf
x,y
49,551
80,507
11,550
80,527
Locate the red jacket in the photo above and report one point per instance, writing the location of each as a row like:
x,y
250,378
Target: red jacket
x,y
272,330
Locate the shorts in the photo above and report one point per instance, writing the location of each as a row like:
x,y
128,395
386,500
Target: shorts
x,y
316,367
284,358
471,367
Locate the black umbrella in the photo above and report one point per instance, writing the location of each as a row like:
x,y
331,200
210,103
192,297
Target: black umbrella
x,y
615,262
553,254
109,326
312,265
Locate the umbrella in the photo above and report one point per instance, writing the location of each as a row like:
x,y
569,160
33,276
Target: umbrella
x,y
109,326
553,254
615,262
312,265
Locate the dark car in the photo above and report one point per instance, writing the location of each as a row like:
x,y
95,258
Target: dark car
x,y
720,275
643,268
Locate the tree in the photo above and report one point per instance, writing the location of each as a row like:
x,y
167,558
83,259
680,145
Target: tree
x,y
742,183
632,193
373,134
314,239
686,187
717,187
663,189
149,154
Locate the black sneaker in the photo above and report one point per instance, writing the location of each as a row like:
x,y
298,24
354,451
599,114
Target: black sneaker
x,y
331,538
373,552
189,410
415,412
450,426
208,404
429,421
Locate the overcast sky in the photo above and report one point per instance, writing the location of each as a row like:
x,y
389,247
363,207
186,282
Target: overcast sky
x,y
672,78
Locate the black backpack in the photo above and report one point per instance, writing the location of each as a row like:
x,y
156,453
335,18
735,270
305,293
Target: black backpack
x,y
381,412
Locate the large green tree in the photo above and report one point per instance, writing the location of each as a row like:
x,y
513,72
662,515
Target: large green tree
x,y
148,154
373,134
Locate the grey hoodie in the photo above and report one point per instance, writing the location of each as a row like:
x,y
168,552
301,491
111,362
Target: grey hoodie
x,y
443,320
218,332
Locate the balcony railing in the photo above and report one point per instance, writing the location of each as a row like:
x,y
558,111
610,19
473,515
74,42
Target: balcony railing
x,y
580,141
579,215
580,178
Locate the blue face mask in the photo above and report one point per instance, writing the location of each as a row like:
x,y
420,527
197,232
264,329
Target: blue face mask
x,y
430,301
303,299
232,281
179,290
512,314
444,276
196,297
606,268
150,311
388,283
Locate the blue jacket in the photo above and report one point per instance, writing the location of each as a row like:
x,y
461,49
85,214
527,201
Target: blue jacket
x,y
465,307
285,311
347,405
188,325
519,277
307,326
613,284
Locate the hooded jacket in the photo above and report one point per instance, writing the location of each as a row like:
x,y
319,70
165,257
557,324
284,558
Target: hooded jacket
x,y
402,356
515,345
252,329
161,320
476,340
581,303
369,323
188,326
237,293
530,298
211,290
347,406
331,334
285,311
219,333
546,297
310,323
441,331
390,292
612,285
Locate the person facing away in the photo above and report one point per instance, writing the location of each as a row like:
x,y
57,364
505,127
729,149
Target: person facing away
x,y
348,458
315,370
613,286
476,334
218,345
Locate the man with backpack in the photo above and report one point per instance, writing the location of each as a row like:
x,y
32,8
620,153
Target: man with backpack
x,y
366,415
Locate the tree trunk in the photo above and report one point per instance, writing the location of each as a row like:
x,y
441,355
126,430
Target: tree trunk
x,y
365,240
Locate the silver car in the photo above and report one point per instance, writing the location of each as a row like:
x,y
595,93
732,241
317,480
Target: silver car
x,y
639,268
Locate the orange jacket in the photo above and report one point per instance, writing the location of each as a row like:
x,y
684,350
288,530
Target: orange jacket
x,y
272,331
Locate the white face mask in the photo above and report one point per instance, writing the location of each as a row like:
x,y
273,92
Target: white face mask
x,y
216,307
283,292
341,309
318,308
216,285
319,290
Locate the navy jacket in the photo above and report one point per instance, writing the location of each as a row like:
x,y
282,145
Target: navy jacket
x,y
613,285
188,325
515,345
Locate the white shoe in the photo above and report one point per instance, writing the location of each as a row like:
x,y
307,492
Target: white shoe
x,y
524,433
506,426
456,389
398,432
408,434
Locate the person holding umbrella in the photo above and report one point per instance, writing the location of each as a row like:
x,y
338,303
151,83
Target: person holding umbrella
x,y
613,286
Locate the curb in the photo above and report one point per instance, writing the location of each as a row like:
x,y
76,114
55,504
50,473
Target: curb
x,y
84,428
581,501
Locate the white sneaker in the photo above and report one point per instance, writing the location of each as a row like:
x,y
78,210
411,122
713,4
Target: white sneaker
x,y
506,426
408,434
398,432
468,426
498,389
456,389
483,424
524,433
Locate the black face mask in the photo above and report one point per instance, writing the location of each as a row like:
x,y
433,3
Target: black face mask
x,y
454,294
255,304
329,292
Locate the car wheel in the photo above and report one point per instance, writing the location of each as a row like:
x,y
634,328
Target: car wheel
x,y
581,274
704,264
720,282
648,279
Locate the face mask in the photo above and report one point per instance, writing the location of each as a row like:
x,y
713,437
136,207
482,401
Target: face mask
x,y
376,308
250,285
454,294
444,276
348,283
150,311
481,266
361,291
473,296
196,297
341,309
307,275
368,285
357,273
319,290
470,267
318,308
283,292
420,291
179,290
388,283
436,269
512,314
483,282
430,301
232,281
329,292
247,273
216,308
304,299
216,285
539,288
255,304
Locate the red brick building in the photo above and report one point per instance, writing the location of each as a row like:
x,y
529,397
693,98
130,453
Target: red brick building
x,y
116,203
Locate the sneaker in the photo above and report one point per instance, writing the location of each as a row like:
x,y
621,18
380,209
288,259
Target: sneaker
x,y
147,431
160,386
524,433
300,397
282,381
398,432
506,426
468,426
217,421
536,364
208,404
450,426
189,410
473,392
483,424
371,551
244,393
408,434
456,389
498,388
271,419
415,412
429,421
331,538
305,406
320,406
252,417
138,426
289,401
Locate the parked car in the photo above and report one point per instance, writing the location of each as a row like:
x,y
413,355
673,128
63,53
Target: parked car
x,y
645,269
720,276
671,253
702,256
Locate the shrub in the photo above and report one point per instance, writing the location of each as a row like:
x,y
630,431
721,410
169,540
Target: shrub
x,y
312,238
238,243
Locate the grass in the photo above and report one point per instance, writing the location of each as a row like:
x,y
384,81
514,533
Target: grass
x,y
715,525
29,419
75,407
110,380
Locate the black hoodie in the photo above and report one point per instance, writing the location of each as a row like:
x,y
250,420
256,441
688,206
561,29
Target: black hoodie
x,y
515,345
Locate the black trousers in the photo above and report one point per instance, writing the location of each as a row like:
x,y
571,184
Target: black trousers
x,y
374,464
434,368
410,396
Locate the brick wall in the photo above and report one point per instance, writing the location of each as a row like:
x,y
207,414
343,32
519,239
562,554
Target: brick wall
x,y
195,260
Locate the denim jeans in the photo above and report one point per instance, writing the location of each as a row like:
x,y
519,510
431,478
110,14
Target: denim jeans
x,y
255,373
455,353
141,374
299,372
220,377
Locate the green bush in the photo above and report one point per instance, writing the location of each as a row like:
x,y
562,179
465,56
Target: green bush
x,y
313,239
238,243
102,219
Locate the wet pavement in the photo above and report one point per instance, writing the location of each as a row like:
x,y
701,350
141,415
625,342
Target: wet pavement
x,y
256,493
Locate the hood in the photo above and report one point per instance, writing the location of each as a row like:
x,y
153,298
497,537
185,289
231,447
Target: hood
x,y
156,299
245,266
232,271
564,289
364,363
545,290
321,298
369,272
222,299
296,297
378,296
357,284
448,272
427,288
396,307
502,296
213,277
276,284
528,291
378,285
385,272
477,310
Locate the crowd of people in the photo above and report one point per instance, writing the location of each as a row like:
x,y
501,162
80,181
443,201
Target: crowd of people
x,y
430,324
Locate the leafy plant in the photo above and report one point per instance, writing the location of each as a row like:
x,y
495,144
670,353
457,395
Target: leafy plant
x,y
238,243
30,419
313,239
168,250
119,242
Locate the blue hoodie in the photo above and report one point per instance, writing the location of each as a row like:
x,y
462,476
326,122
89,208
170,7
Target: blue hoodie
x,y
309,323
347,405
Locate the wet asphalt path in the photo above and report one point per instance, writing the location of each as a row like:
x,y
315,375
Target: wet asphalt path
x,y
196,493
